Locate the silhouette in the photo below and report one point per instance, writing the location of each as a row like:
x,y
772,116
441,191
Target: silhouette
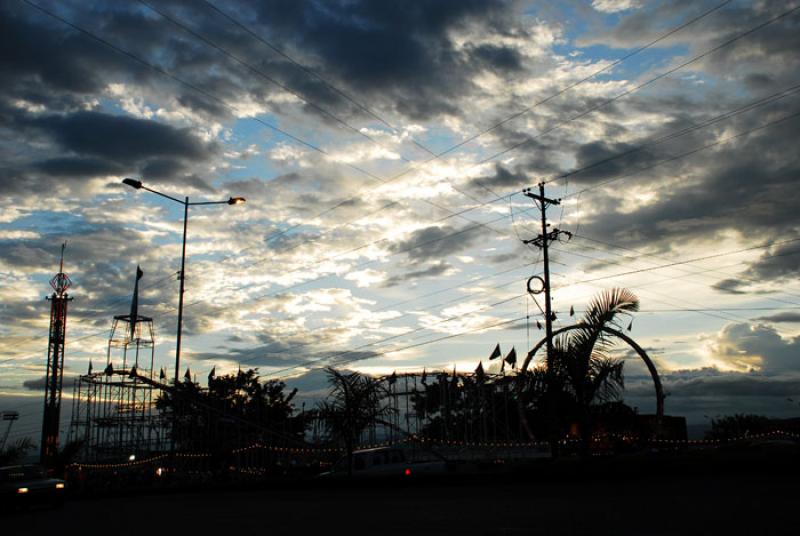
x,y
235,410
355,402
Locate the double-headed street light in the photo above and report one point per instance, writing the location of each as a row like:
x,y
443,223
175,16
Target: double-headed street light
x,y
133,183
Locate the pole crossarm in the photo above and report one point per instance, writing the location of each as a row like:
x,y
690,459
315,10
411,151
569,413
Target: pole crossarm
x,y
552,236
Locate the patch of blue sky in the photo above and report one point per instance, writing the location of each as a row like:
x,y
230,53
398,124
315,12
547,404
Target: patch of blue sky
x,y
45,222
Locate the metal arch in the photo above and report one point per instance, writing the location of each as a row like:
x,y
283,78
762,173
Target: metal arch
x,y
639,350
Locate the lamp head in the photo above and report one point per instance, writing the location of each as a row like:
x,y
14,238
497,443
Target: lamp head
x,y
236,201
133,183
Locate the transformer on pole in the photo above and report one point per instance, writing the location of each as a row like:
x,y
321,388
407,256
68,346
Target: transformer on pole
x,y
55,364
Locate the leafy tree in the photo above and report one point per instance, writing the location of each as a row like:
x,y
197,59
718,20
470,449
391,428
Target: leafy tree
x,y
235,410
354,403
15,452
738,425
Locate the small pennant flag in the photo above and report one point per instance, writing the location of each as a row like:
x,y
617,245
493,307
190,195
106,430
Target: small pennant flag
x,y
630,326
496,353
479,371
511,358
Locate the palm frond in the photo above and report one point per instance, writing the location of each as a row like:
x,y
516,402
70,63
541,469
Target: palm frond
x,y
608,304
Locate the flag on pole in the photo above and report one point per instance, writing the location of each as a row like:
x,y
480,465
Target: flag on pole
x,y
496,353
135,302
479,371
511,358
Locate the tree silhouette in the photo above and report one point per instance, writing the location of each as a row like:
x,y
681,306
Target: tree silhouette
x,y
354,403
737,426
234,411
581,360
16,451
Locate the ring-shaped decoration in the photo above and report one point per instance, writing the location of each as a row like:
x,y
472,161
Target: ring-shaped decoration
x,y
538,290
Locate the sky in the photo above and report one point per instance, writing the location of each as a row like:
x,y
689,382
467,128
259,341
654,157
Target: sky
x,y
382,148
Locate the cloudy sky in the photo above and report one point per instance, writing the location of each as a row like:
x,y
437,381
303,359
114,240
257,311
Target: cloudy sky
x,y
382,148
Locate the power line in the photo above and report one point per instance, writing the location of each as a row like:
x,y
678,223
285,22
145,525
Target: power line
x,y
790,91
497,125
155,284
688,153
717,255
265,76
704,272
635,172
311,72
638,87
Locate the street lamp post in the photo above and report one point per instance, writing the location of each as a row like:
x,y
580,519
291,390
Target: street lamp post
x,y
186,204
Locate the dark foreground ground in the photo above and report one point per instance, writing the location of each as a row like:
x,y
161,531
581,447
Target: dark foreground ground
x,y
657,497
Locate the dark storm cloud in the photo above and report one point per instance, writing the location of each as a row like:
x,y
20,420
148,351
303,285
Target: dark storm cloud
x,y
120,138
502,178
599,160
788,318
434,270
37,58
40,383
283,354
78,167
497,57
759,347
718,194
704,383
398,54
96,144
437,243
776,265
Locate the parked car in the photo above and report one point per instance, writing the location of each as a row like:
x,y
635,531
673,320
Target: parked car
x,y
22,486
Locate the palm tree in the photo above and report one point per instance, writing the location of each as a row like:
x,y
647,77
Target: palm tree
x,y
355,402
581,358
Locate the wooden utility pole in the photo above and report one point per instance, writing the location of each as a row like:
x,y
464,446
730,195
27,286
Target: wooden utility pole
x,y
542,242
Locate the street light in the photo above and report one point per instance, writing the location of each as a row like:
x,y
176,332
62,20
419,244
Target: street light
x,y
133,183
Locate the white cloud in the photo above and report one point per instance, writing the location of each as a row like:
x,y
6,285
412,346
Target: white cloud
x,y
614,6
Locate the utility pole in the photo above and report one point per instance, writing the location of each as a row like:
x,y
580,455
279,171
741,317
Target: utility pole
x,y
542,242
